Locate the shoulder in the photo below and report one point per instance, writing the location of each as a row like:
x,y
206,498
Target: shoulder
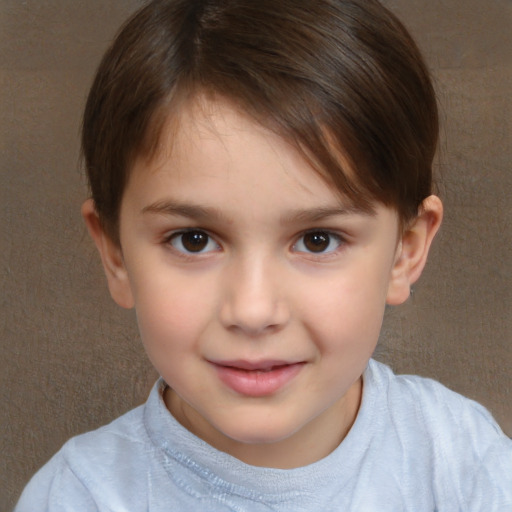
x,y
432,406
109,450
49,484
75,478
456,440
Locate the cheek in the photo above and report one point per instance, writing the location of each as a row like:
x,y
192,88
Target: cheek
x,y
172,313
346,313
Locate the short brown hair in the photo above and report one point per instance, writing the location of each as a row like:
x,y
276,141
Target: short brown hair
x,y
335,77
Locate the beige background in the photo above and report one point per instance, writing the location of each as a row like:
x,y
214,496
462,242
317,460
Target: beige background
x,y
71,360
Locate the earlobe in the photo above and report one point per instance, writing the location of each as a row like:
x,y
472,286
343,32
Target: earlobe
x,y
413,250
111,257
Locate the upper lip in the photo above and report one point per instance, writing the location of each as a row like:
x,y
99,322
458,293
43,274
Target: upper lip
x,y
263,365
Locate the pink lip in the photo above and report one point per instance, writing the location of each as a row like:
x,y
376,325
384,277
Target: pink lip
x,y
256,379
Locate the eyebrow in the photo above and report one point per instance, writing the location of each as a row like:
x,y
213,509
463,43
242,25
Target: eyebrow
x,y
321,213
182,210
202,213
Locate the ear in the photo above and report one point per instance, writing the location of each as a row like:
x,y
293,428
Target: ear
x,y
111,257
413,250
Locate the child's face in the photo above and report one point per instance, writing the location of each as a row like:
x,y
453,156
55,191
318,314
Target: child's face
x,y
258,293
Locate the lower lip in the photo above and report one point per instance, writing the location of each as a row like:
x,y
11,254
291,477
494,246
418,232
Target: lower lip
x,y
256,383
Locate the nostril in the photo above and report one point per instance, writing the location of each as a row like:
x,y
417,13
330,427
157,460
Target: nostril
x,y
253,318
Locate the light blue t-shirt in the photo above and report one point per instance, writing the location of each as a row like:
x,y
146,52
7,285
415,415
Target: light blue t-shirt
x,y
415,446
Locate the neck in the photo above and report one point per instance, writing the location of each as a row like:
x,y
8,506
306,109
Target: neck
x,y
309,444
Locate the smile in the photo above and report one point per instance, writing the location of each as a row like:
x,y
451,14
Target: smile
x,y
257,379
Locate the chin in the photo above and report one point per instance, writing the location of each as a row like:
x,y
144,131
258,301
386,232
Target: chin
x,y
259,432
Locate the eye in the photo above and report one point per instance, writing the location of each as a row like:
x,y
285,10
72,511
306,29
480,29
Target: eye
x,y
318,242
193,242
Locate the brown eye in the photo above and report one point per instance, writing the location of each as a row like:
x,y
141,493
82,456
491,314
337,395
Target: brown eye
x,y
195,241
318,242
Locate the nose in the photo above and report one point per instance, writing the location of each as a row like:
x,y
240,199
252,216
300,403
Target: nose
x,y
254,298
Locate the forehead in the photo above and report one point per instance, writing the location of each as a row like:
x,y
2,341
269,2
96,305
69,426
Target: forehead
x,y
214,144
213,138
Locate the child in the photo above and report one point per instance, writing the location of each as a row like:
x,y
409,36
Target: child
x,y
261,189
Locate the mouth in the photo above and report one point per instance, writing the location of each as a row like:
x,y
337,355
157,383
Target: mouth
x,y
257,378
257,366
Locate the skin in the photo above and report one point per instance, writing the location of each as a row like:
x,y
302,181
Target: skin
x,y
283,270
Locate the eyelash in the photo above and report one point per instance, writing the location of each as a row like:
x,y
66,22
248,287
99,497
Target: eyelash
x,y
323,236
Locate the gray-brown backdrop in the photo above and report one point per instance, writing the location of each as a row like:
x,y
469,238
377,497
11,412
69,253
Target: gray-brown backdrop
x,y
72,361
